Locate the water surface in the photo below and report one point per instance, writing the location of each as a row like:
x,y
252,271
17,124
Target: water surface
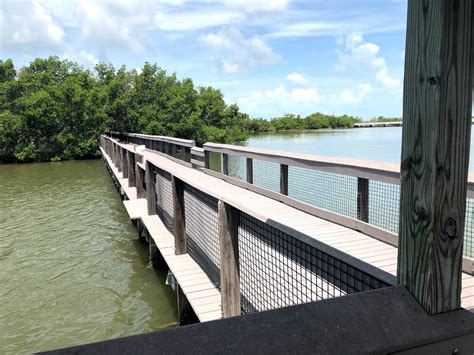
x,y
71,268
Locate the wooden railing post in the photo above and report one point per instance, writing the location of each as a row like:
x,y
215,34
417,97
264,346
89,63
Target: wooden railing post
x,y
150,189
250,170
229,259
363,199
284,179
139,181
224,164
125,163
178,213
130,169
206,159
437,103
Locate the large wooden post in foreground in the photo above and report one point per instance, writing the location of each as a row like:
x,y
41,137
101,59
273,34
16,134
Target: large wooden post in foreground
x,y
435,152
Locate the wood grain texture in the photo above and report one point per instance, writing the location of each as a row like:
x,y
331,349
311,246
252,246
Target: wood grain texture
x,y
178,212
139,180
284,179
435,152
249,170
224,164
130,168
363,199
229,256
150,189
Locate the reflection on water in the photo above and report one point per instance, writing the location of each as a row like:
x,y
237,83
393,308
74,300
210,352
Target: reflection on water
x,y
72,270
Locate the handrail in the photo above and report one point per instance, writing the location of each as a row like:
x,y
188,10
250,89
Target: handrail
x,y
184,142
367,169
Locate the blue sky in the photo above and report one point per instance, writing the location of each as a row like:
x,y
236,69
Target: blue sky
x,y
270,57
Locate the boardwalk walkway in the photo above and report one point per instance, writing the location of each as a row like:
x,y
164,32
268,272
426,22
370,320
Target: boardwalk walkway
x,y
347,242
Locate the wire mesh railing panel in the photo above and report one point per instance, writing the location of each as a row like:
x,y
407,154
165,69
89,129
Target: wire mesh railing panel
x,y
469,229
237,167
333,192
384,205
202,231
267,175
278,270
164,198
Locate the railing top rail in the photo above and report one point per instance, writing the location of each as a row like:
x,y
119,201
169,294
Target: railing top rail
x,y
180,141
372,170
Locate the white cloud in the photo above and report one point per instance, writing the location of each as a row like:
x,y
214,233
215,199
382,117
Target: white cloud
x,y
188,21
297,78
236,53
305,95
365,55
258,5
27,25
89,57
347,96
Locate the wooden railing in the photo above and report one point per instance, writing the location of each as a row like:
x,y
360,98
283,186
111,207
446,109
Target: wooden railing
x,y
374,188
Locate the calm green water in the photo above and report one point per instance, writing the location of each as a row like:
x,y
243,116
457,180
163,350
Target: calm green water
x,y
379,144
71,268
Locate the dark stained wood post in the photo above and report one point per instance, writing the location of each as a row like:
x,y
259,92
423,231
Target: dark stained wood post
x,y
229,256
130,169
125,163
435,152
139,181
120,159
363,199
179,220
150,189
206,159
284,179
250,170
225,164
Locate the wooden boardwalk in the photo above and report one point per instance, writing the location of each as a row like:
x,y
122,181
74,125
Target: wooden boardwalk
x,y
291,220
201,294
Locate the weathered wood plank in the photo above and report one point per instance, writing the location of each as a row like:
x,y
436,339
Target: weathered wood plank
x,y
150,188
249,162
363,199
178,211
435,152
229,259
284,179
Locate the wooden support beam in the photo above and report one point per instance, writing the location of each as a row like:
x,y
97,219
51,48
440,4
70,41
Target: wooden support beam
x,y
225,164
125,163
150,189
284,179
437,106
363,199
229,259
178,213
130,169
139,181
206,159
250,170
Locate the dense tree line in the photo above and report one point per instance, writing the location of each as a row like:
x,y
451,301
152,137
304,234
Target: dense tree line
x,y
54,109
316,120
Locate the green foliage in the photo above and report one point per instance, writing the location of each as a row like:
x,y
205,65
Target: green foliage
x,y
385,119
54,109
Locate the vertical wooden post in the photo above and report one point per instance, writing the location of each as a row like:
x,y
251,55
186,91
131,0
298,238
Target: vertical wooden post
x,y
250,170
178,212
206,159
229,256
120,159
150,189
125,163
284,179
130,169
363,199
225,164
139,181
435,152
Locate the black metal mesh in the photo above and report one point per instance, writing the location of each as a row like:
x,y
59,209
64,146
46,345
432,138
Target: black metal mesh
x,y
267,175
384,205
277,270
469,229
333,192
202,231
237,167
164,198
